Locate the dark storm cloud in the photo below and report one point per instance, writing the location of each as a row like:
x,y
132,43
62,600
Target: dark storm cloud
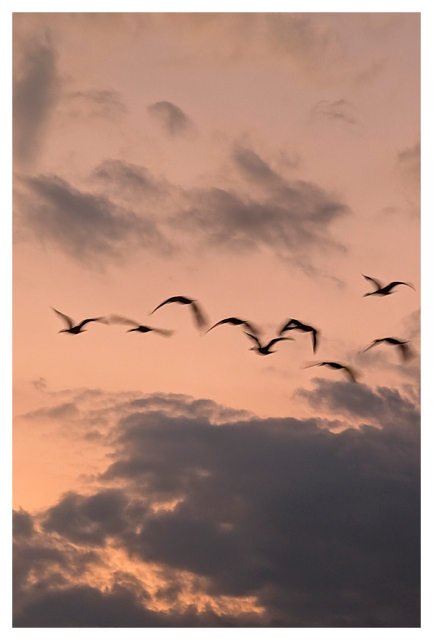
x,y
96,103
88,520
22,523
320,528
36,90
85,225
291,218
84,606
383,407
172,118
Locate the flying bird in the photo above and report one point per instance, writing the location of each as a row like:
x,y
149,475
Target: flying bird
x,y
236,322
335,365
300,326
79,327
264,350
199,317
405,352
384,290
137,326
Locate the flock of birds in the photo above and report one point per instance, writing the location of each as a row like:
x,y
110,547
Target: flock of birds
x,y
253,332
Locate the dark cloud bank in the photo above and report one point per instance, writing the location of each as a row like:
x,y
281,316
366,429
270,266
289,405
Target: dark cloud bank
x,y
322,529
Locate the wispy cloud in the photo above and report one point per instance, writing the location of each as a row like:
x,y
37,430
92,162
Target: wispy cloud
x,y
171,117
95,103
36,91
87,226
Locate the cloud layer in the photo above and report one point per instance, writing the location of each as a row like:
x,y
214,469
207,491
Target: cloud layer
x,y
303,526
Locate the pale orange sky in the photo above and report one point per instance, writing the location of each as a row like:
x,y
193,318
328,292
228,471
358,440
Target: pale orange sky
x,y
340,112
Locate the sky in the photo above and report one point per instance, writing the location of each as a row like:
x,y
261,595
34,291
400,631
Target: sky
x,y
259,164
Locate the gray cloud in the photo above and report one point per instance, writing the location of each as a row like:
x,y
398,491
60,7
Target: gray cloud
x,y
172,118
320,528
384,406
409,161
127,179
291,218
36,90
96,103
84,225
341,110
22,523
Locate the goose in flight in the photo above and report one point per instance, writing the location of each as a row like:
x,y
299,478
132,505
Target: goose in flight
x,y
79,327
405,352
138,327
264,350
335,365
199,317
384,290
236,322
300,326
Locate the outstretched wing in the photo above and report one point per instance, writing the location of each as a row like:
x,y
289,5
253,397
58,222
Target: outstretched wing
x,y
314,335
351,373
289,324
377,283
406,352
393,284
199,316
163,332
312,364
180,299
269,345
114,319
375,342
101,319
253,337
67,319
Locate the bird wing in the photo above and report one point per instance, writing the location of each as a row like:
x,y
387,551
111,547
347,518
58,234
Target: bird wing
x,y
393,284
374,281
180,299
313,364
405,351
198,315
101,319
286,327
162,332
227,321
314,335
350,373
269,345
251,327
69,320
371,345
114,319
253,337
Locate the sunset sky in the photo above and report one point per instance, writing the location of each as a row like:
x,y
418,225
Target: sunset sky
x,y
258,163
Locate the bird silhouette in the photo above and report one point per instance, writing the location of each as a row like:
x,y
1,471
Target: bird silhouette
x,y
199,317
405,352
335,365
236,322
384,290
114,319
264,350
300,326
79,327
